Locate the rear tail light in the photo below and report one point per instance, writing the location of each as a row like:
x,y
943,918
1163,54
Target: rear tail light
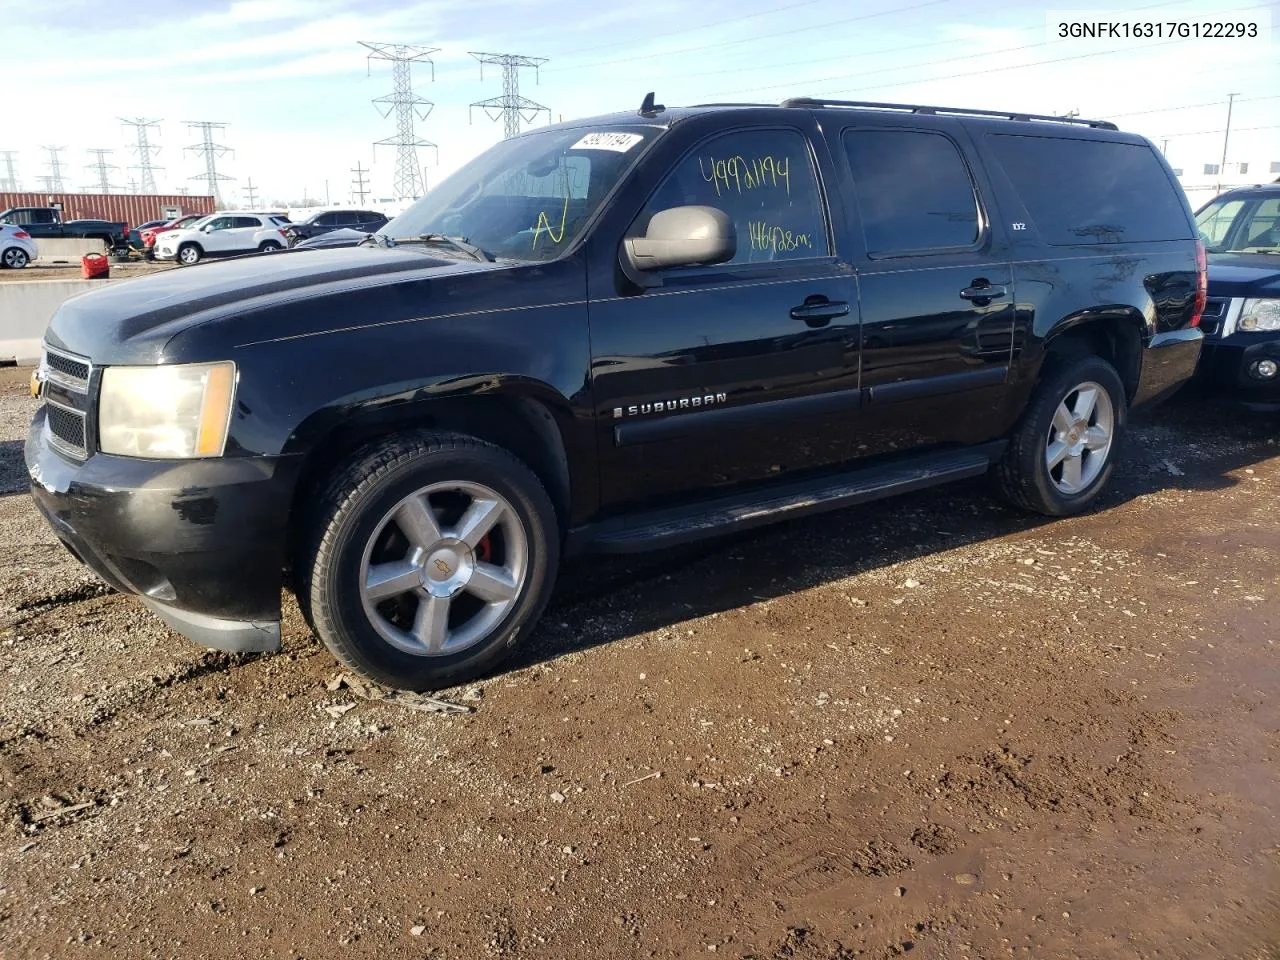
x,y
1202,284
22,235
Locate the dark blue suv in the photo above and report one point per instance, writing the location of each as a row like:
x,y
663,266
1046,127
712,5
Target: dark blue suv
x,y
1241,230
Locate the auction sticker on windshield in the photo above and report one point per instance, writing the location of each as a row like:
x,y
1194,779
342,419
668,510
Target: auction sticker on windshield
x,y
618,142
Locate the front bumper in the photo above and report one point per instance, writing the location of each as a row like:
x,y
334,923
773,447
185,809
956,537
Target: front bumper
x,y
1168,362
1228,365
200,542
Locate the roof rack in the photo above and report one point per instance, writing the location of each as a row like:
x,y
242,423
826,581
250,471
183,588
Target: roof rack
x,y
957,111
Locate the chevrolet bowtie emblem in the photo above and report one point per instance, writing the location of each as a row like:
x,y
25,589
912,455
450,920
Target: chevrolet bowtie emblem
x,y
442,567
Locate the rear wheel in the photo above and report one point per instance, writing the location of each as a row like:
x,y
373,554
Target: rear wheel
x,y
269,246
189,253
1064,451
428,559
15,258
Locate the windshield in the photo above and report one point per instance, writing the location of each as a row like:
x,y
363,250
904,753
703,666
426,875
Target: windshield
x,y
1241,226
527,198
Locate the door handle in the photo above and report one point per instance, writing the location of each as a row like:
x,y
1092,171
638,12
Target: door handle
x,y
984,291
818,312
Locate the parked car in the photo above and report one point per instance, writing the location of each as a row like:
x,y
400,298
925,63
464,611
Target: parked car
x,y
148,235
219,235
17,249
614,335
1241,229
46,223
366,221
341,237
135,234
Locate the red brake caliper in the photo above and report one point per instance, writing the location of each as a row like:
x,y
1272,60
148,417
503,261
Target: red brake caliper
x,y
484,549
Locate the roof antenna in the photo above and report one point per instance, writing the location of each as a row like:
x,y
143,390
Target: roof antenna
x,y
649,108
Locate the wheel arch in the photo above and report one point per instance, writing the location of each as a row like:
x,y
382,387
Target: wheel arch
x,y
1117,336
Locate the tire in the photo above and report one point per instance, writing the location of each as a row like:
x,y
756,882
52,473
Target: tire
x,y
14,258
269,246
428,628
1062,426
189,254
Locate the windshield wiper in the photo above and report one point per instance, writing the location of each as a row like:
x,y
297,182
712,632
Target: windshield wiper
x,y
461,244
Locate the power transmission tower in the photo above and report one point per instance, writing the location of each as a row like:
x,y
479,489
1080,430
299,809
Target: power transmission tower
x,y
10,182
409,181
133,185
358,189
53,182
510,106
211,151
144,149
250,193
101,168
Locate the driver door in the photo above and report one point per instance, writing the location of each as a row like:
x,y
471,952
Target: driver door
x,y
218,236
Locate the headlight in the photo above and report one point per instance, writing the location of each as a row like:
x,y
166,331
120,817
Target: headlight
x,y
1260,314
166,412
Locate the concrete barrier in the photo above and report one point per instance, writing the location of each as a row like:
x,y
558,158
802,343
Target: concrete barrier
x,y
69,249
26,307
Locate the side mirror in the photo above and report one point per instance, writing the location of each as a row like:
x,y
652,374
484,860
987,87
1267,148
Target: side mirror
x,y
208,228
679,237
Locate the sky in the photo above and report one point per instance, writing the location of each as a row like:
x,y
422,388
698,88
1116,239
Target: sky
x,y
294,86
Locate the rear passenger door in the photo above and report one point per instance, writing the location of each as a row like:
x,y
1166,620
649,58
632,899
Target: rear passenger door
x,y
936,286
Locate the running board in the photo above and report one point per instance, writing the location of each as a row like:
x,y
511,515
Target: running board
x,y
672,526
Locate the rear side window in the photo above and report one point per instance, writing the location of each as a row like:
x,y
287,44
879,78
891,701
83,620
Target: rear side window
x,y
764,180
247,222
1092,191
913,190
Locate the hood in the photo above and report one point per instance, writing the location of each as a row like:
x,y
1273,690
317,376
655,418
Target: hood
x,y
129,321
1244,274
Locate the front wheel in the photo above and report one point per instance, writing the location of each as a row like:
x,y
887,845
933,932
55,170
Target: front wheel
x,y
15,258
1063,452
427,559
269,246
188,254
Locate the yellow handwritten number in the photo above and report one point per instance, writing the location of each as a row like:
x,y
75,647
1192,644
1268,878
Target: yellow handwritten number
x,y
545,224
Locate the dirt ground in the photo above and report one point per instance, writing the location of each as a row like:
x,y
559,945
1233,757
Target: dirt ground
x,y
931,726
48,270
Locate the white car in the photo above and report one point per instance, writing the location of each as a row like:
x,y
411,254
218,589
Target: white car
x,y
221,234
17,249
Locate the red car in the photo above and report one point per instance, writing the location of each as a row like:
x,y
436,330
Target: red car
x,y
149,235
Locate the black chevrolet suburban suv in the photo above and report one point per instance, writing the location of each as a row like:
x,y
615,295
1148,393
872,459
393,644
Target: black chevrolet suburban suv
x,y
614,334
1241,229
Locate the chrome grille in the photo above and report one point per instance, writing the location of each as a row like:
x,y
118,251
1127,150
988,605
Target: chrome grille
x,y
66,428
71,372
1215,309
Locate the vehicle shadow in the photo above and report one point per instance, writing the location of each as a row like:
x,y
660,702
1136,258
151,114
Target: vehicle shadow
x,y
1191,443
13,472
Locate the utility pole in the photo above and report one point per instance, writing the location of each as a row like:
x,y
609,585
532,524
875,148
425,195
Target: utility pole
x,y
211,151
1164,146
10,182
53,182
1226,136
358,188
250,193
406,106
144,150
101,168
511,107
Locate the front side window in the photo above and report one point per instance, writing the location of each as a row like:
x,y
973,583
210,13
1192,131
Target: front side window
x,y
221,223
913,189
529,197
1214,222
764,180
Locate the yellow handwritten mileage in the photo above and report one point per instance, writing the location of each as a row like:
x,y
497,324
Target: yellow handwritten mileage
x,y
738,175
544,224
768,236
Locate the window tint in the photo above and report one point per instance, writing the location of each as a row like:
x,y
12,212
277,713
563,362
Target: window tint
x,y
368,217
1092,191
327,220
764,180
913,191
39,216
1215,220
246,222
347,218
1262,230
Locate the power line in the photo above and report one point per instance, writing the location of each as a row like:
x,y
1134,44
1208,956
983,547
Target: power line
x,y
144,149
409,181
1206,133
53,181
10,182
210,151
511,107
101,168
358,189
